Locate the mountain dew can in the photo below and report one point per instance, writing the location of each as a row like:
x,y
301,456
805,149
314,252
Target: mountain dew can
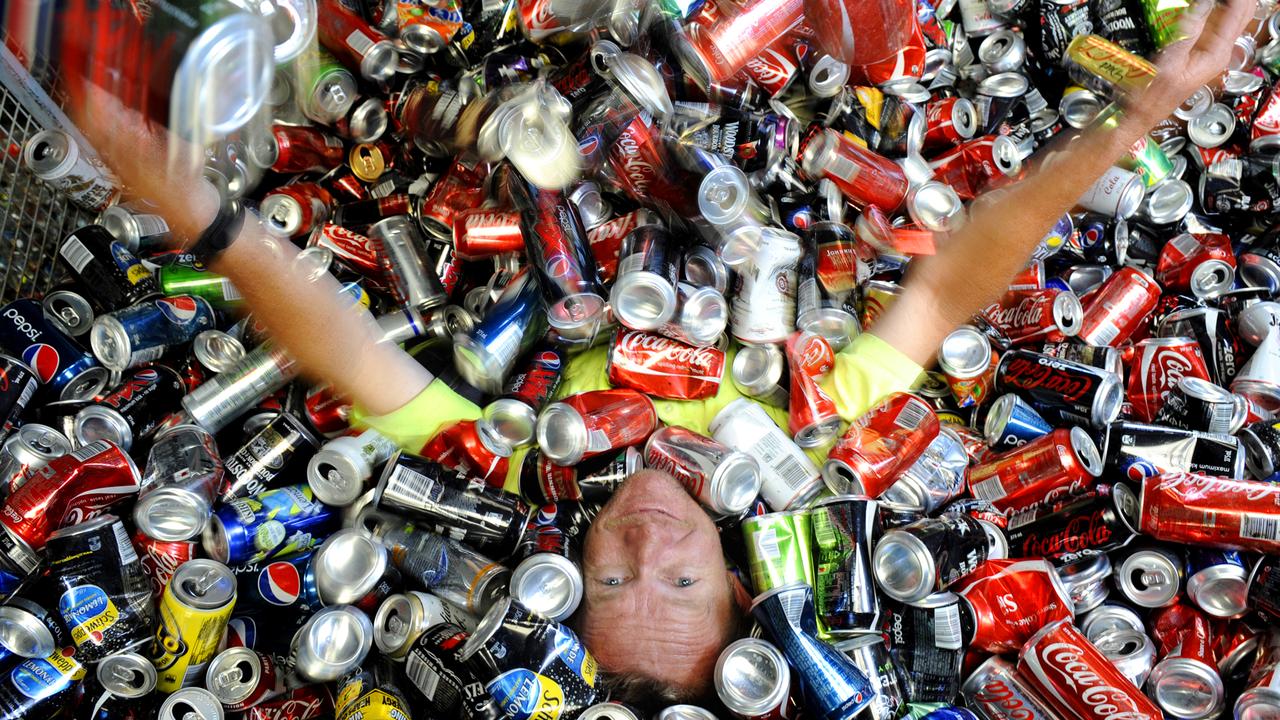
x,y
216,289
778,549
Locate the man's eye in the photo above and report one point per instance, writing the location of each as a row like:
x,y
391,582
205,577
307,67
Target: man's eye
x,y
685,582
612,581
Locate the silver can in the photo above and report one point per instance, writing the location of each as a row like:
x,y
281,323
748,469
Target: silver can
x,y
350,566
1110,616
724,481
753,679
412,282
403,618
760,372
764,306
644,293
1131,651
702,267
549,584
726,198
54,156
127,675
1187,688
700,317
234,675
788,477
1117,193
1086,581
221,399
28,449
1150,577
340,470
193,703
869,652
68,311
184,472
934,480
965,353
1213,127
217,351
1219,588
333,642
136,227
995,691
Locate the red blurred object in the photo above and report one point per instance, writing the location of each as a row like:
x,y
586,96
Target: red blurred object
x,y
865,177
160,559
363,213
1214,512
977,165
810,353
609,420
306,149
461,447
1029,278
720,42
1011,600
941,130
327,410
346,186
485,232
458,190
1046,470
1078,680
1157,367
67,491
358,252
869,34
1030,316
606,241
1118,307
539,21
642,168
882,443
1202,264
665,368
309,702
309,205
345,34
1266,122
775,67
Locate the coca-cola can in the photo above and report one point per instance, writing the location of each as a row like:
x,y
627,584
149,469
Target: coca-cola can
x,y
1115,311
664,368
1202,264
1011,600
880,445
1061,464
1104,519
593,423
1197,404
486,232
1062,391
1080,681
996,692
725,481
1029,316
1159,364
1185,682
1212,511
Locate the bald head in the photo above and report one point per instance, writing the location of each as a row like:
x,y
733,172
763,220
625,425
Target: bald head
x,y
659,600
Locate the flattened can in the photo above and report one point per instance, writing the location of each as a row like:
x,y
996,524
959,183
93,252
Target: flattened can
x,y
845,528
194,611
105,597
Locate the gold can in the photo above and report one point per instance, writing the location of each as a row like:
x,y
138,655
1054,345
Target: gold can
x,y
1127,73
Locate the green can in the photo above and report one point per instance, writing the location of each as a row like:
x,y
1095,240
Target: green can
x,y
183,280
1148,159
779,549
1163,18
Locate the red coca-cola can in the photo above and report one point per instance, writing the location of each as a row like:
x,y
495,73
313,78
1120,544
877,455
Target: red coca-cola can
x,y
593,423
66,491
360,253
485,232
979,164
1012,600
775,67
464,448
1193,509
296,209
309,702
661,367
1078,680
879,445
1202,264
355,43
1040,315
327,410
997,692
865,177
719,43
302,149
1265,129
812,416
1159,364
1119,307
458,190
160,559
1185,682
948,121
1051,468
643,170
1030,277
606,240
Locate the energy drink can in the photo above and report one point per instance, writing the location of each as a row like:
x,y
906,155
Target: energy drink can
x,y
450,687
105,597
194,611
273,524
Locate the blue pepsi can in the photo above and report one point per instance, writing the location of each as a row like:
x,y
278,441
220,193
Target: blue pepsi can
x,y
1217,581
1012,423
58,361
144,332
938,711
273,524
277,584
485,356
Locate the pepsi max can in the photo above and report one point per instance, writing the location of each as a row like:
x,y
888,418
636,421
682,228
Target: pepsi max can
x,y
1012,423
106,269
277,585
133,410
58,361
145,332
18,383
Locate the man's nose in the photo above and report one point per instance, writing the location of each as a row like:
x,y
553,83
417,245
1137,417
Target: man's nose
x,y
649,539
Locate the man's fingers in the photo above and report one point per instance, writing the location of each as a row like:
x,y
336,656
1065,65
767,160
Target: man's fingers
x,y
1224,24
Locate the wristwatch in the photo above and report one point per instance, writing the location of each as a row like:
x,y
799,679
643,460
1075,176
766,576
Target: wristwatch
x,y
221,232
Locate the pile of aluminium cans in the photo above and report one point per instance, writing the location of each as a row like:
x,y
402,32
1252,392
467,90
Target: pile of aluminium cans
x,y
1074,516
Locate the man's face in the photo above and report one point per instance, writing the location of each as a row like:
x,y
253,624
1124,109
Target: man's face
x,y
658,597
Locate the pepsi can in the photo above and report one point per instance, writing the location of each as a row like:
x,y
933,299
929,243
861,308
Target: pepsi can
x,y
1012,423
132,411
18,383
287,583
274,524
145,332
57,360
106,269
485,355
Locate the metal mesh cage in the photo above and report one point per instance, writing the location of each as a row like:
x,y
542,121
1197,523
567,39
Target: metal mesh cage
x,y
33,217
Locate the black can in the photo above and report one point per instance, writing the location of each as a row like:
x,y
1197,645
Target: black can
x,y
1122,22
1062,391
1103,358
104,594
593,480
927,640
870,653
46,619
1196,404
1209,328
449,686
1262,449
38,686
1136,451
132,411
106,269
522,649
1264,587
845,528
18,383
469,512
1103,520
931,554
277,455
1059,24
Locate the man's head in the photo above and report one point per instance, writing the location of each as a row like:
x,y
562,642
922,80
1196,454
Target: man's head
x,y
659,601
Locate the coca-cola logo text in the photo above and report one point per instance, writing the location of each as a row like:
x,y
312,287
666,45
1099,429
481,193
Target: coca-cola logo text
x,y
1043,373
1028,313
1080,533
1189,487
701,359
998,693
1103,701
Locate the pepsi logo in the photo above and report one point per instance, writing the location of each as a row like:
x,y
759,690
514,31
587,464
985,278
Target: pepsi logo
x,y
280,584
547,359
179,309
1139,470
560,266
43,359
589,145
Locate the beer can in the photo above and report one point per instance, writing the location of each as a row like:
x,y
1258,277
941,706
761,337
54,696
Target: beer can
x,y
194,611
280,450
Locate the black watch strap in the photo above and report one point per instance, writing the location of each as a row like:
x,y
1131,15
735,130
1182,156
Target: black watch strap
x,y
220,233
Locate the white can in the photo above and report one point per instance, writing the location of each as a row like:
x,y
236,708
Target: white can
x,y
764,306
788,478
1117,193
